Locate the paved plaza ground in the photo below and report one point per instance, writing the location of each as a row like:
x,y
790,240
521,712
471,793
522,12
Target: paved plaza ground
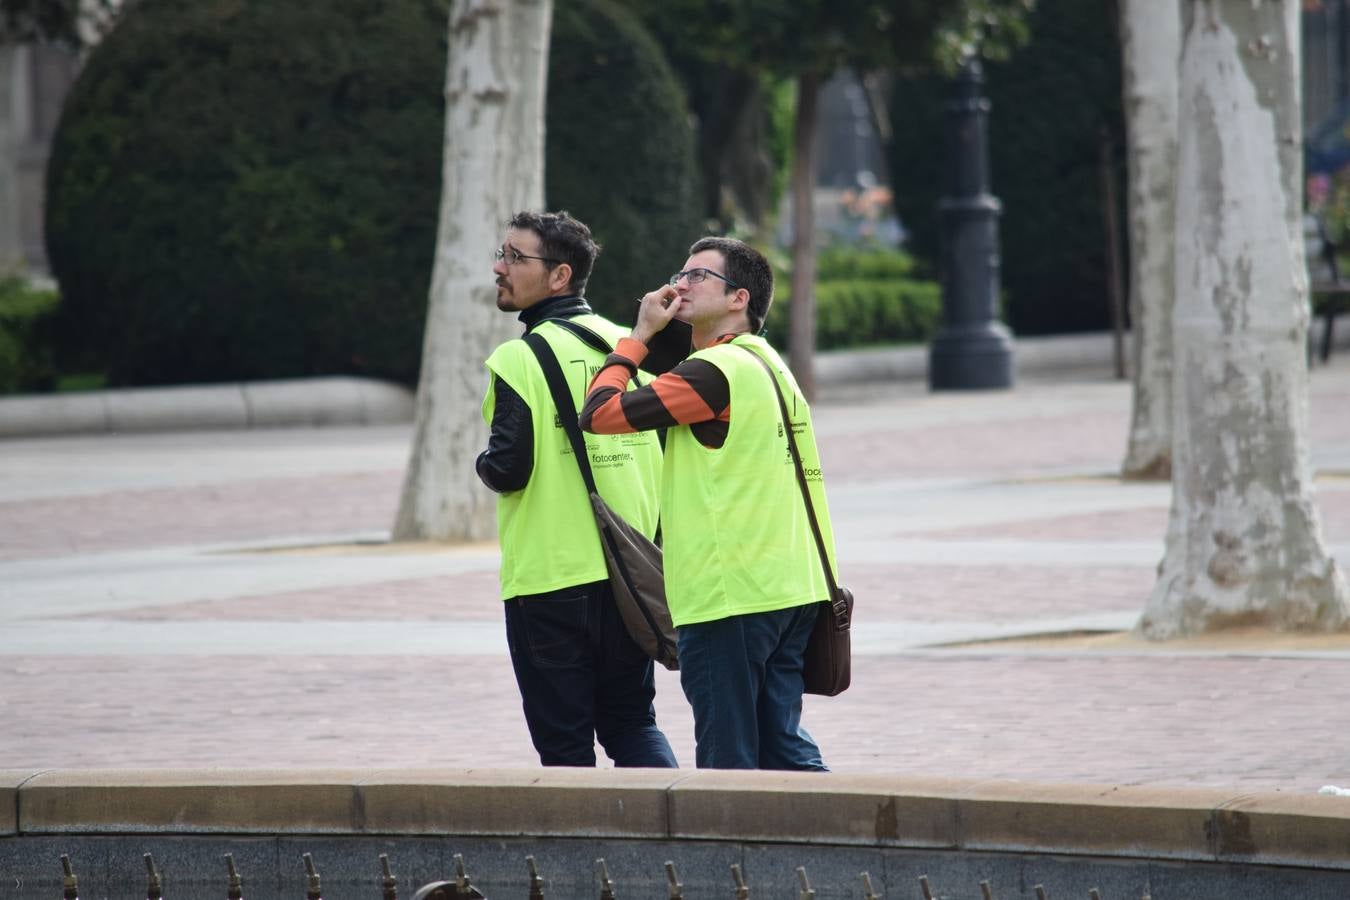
x,y
224,599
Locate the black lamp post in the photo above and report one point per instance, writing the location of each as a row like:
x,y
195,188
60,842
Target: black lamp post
x,y
972,350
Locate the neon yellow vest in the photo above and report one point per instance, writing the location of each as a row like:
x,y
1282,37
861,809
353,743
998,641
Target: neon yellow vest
x,y
547,530
737,538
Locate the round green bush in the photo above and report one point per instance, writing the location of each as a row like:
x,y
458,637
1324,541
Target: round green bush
x,y
620,151
1049,104
248,189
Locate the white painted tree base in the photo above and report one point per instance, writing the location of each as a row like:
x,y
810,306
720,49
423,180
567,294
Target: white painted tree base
x,y
1244,544
493,167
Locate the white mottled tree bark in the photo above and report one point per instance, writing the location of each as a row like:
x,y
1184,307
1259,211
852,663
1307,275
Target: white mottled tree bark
x,y
1244,543
1150,36
493,167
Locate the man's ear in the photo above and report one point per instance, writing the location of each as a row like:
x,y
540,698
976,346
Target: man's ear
x,y
560,277
741,300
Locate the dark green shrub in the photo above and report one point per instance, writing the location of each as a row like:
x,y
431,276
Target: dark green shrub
x,y
841,263
245,189
25,349
620,152
864,298
1049,102
248,189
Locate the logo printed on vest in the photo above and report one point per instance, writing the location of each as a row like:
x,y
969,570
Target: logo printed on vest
x,y
610,460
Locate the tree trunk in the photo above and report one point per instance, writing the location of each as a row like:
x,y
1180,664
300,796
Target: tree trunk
x,y
11,242
802,330
493,167
723,112
1151,54
1244,544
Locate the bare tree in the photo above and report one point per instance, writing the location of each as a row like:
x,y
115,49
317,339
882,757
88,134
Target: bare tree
x,y
1150,40
493,166
1244,543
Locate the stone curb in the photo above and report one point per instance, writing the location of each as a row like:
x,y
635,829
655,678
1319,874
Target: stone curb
x,y
361,401
874,811
258,404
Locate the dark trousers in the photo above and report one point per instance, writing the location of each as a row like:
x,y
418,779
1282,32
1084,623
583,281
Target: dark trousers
x,y
743,678
583,679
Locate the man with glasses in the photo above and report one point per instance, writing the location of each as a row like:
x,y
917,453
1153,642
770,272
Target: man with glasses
x,y
581,676
743,574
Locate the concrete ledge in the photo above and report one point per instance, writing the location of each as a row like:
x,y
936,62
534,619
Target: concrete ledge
x,y
10,782
627,803
1283,829
259,404
1031,355
313,402
1153,822
866,811
190,801
869,810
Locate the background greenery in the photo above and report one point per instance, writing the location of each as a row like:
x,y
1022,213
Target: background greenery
x,y
26,312
862,298
1049,102
246,189
620,152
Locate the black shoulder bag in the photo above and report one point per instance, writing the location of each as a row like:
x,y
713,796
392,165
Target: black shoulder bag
x,y
634,562
827,664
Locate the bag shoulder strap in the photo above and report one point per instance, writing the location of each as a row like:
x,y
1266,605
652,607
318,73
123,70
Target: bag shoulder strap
x,y
562,400
840,605
584,334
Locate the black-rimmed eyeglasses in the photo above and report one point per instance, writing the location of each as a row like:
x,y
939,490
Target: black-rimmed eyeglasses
x,y
513,256
696,276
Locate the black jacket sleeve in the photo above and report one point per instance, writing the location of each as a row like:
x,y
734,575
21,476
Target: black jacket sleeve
x,y
507,462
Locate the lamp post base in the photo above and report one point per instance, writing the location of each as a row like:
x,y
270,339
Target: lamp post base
x,y
971,359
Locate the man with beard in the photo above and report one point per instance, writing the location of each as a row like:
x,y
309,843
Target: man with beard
x,y
582,678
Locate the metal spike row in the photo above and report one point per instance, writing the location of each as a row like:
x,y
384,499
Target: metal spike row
x,y
70,885
674,889
313,887
388,882
154,890
464,890
536,883
235,888
606,886
742,889
806,893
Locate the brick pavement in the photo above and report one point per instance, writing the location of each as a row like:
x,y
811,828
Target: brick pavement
x,y
1025,469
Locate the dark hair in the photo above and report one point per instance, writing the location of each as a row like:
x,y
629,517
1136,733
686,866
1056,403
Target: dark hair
x,y
749,269
564,239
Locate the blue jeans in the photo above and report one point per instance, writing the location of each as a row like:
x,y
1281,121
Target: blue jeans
x,y
743,677
583,679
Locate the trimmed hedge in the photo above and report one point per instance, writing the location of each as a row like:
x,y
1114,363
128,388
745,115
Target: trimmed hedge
x,y
864,299
621,155
25,351
1049,102
248,189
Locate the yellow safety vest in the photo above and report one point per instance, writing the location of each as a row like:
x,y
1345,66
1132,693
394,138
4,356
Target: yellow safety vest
x,y
737,537
547,530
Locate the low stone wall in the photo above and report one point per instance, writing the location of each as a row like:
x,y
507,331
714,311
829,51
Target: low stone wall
x,y
1125,840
